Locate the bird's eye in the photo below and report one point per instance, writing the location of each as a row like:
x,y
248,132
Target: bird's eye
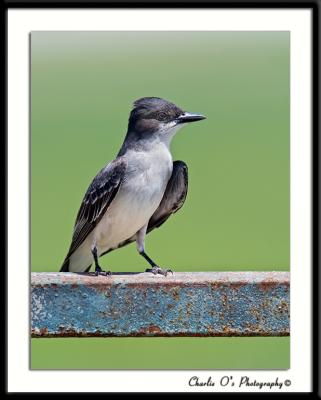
x,y
162,116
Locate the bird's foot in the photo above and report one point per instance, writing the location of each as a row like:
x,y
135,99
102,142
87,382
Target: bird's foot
x,y
103,273
157,270
99,271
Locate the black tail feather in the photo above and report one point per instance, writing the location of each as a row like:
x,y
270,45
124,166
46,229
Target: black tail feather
x,y
65,266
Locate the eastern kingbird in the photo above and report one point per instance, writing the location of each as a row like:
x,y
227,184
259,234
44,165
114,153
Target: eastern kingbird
x,y
136,192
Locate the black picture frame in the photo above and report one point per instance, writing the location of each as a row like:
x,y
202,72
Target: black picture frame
x,y
314,6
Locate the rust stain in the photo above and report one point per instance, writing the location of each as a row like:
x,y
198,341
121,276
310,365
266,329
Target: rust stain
x,y
254,328
227,330
43,331
150,330
239,285
225,301
176,295
283,307
256,313
71,332
267,285
162,334
215,285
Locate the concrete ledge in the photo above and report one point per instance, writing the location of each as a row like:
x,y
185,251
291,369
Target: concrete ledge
x,y
183,304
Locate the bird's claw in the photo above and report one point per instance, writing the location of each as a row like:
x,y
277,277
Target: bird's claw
x,y
101,272
157,270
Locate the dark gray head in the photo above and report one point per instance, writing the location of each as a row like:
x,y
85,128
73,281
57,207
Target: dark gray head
x,y
154,116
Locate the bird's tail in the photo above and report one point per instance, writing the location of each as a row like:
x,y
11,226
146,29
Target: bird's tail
x,y
65,266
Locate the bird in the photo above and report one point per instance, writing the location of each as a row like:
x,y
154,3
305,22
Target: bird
x,y
136,192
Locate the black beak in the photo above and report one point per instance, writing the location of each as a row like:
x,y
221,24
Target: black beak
x,y
189,117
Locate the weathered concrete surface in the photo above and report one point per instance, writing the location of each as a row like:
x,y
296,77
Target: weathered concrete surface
x,y
183,304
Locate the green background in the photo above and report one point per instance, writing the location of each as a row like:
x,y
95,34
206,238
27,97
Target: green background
x,y
236,216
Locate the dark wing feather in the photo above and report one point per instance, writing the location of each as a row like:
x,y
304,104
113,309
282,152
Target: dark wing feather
x,y
97,199
174,196
173,199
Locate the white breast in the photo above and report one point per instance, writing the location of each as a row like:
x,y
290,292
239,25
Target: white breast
x,y
138,197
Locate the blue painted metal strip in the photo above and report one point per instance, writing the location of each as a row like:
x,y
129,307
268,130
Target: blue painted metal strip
x,y
183,304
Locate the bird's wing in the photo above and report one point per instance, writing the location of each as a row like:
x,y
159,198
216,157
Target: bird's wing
x,y
173,199
174,196
97,199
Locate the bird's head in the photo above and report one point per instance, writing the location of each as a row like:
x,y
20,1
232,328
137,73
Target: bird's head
x,y
153,117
